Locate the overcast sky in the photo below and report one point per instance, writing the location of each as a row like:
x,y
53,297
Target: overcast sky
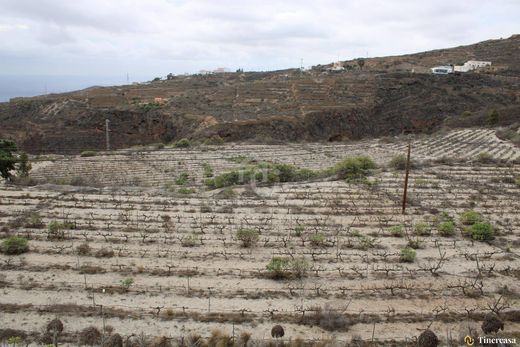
x,y
149,38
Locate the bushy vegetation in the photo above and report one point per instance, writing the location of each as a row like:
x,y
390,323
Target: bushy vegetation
x,y
214,140
83,249
317,239
485,158
482,232
126,283
493,118
7,158
285,267
248,237
407,255
470,217
182,179
264,173
396,231
147,107
57,229
186,191
398,162
182,143
14,245
24,166
207,170
422,229
88,154
354,168
350,169
446,228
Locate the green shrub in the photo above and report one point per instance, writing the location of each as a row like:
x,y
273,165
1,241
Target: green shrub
x,y
354,168
298,230
183,143
88,154
422,229
56,230
398,162
414,243
182,179
470,217
446,228
127,283
482,232
14,245
517,182
278,267
299,267
34,221
396,231
214,140
407,255
186,191
226,179
493,118
190,241
248,237
285,267
227,193
485,158
317,239
207,170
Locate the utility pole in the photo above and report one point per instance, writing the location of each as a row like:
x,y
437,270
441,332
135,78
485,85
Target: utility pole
x,y
107,133
406,177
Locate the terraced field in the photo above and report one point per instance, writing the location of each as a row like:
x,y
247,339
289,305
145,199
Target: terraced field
x,y
164,257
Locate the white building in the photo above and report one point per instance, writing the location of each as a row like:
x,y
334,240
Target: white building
x,y
471,65
442,70
337,66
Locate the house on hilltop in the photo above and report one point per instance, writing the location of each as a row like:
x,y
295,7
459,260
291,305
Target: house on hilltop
x,y
471,65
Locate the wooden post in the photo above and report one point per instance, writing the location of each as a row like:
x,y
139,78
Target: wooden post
x,y
406,177
107,133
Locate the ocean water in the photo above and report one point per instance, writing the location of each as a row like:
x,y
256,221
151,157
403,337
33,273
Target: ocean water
x,y
31,85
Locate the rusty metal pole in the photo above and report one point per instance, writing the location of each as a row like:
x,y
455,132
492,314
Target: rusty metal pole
x,y
406,177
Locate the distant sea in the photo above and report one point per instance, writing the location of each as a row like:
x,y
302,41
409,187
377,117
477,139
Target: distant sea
x,y
30,85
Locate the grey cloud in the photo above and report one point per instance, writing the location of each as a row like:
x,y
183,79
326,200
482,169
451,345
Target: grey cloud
x,y
146,36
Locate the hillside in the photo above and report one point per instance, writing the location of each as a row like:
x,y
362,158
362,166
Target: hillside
x,y
383,98
359,273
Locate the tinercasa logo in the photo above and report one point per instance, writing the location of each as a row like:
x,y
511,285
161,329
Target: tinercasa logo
x,y
483,340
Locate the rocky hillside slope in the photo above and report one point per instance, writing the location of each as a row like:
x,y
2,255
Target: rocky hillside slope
x,y
387,96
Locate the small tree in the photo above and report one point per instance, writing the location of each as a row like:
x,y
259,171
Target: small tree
x,y
7,159
361,63
493,118
24,166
